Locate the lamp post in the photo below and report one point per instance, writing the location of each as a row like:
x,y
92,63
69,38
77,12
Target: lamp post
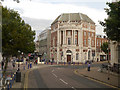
x,y
18,60
108,61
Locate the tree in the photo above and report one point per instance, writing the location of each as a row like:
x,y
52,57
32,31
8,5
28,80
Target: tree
x,y
16,35
112,23
104,47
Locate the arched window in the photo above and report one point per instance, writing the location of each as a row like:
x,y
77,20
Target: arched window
x,y
68,51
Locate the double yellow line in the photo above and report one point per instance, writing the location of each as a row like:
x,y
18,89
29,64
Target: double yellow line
x,y
26,79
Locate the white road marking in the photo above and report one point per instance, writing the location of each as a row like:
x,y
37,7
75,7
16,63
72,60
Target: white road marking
x,y
63,81
53,70
73,88
54,75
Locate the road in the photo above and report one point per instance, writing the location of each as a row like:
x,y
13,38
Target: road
x,y
59,77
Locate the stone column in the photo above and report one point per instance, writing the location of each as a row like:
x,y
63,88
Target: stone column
x,y
65,37
78,37
58,44
60,37
72,37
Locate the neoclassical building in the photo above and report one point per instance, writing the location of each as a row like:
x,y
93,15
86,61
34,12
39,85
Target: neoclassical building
x,y
73,38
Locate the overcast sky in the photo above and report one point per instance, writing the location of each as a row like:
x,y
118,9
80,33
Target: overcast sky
x,y
41,13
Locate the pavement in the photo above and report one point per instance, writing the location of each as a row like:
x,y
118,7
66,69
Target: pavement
x,y
23,75
96,75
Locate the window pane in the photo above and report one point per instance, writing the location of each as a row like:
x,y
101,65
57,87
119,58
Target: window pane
x,y
69,41
77,55
76,41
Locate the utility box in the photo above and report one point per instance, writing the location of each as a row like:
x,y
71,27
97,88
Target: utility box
x,y
18,76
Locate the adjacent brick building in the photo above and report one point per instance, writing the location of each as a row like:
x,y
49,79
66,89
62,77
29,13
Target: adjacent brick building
x,y
100,55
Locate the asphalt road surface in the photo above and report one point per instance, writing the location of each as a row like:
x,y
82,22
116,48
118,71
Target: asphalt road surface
x,y
57,77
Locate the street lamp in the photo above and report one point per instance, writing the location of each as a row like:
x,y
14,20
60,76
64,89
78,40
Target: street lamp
x,y
18,60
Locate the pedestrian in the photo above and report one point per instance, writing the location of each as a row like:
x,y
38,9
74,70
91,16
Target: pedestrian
x,y
89,66
36,61
85,62
13,64
2,65
97,59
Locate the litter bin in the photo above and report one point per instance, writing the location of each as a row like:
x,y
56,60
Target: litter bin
x,y
18,76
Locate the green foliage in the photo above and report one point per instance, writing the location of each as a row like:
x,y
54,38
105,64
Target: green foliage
x,y
16,34
112,23
104,47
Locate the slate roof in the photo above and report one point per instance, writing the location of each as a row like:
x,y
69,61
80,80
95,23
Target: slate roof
x,y
65,17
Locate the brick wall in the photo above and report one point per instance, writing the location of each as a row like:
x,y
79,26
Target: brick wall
x,y
54,39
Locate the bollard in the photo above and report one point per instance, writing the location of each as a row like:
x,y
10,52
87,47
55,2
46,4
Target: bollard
x,y
28,66
24,67
64,63
18,76
10,83
73,63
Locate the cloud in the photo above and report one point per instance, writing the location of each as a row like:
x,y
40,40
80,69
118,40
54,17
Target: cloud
x,y
44,12
51,11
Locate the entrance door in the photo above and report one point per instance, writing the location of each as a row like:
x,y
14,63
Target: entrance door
x,y
88,55
68,58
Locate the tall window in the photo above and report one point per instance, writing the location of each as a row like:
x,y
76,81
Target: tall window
x,y
85,42
77,55
69,33
89,42
100,42
97,42
75,32
89,34
69,41
92,42
76,41
92,34
61,37
84,33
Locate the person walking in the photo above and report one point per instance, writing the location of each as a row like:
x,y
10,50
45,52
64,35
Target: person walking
x,y
36,61
2,65
89,66
13,64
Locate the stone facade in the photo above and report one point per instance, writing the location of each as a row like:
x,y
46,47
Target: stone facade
x,y
37,46
115,52
73,38
44,44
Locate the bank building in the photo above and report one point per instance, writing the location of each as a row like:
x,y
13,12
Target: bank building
x,y
73,38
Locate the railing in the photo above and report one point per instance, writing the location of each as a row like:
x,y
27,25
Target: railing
x,y
115,68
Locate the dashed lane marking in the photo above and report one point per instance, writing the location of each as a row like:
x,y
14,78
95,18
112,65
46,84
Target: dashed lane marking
x,y
73,88
54,75
53,70
63,81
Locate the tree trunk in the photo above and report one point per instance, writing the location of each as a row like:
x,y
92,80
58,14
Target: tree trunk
x,y
4,71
